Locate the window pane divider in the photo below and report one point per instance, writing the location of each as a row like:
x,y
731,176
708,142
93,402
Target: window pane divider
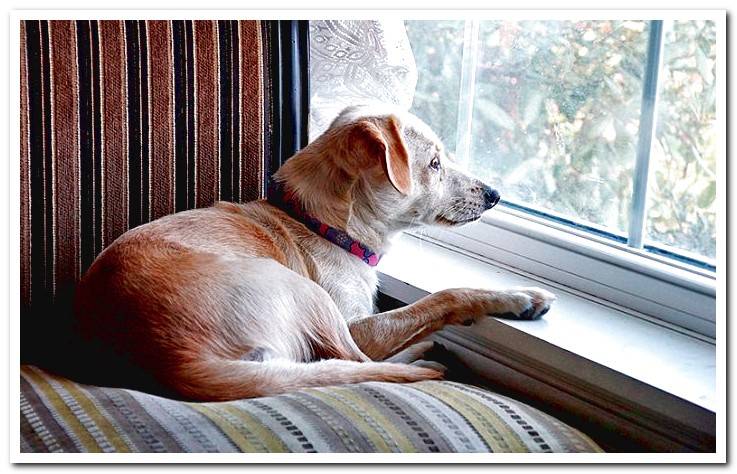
x,y
467,91
646,132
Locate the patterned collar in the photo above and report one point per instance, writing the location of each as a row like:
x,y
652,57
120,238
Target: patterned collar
x,y
287,201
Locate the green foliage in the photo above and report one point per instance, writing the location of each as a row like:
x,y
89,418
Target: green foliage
x,y
556,115
682,211
438,46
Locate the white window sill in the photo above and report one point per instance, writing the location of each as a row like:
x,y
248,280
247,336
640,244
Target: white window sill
x,y
651,354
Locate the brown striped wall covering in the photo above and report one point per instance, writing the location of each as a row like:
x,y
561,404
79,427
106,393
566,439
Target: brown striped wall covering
x,y
123,122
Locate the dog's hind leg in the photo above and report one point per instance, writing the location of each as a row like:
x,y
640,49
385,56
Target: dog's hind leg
x,y
270,331
271,312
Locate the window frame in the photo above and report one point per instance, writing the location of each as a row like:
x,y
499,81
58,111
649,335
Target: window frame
x,y
646,285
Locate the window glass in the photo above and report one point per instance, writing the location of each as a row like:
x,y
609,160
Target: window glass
x,y
682,187
438,51
555,113
554,119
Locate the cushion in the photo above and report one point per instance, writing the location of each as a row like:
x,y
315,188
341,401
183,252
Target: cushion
x,y
58,415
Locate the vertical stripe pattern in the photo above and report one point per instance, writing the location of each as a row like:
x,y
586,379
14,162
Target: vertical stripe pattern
x,y
227,117
123,122
25,172
115,135
206,52
249,54
58,415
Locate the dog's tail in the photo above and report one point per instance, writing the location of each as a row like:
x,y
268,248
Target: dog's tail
x,y
221,379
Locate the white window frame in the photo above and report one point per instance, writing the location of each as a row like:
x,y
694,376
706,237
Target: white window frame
x,y
678,295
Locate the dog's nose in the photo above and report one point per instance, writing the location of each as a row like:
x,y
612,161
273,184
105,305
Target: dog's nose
x,y
491,197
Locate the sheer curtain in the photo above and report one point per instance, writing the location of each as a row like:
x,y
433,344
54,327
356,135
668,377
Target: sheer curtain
x,y
358,62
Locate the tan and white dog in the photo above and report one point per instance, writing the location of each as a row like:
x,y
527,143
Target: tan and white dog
x,y
246,300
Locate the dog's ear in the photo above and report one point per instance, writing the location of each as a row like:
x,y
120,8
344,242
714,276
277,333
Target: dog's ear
x,y
383,141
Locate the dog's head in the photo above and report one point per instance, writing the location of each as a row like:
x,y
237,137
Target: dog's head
x,y
379,170
406,174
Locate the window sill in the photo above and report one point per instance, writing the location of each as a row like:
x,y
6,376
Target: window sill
x,y
610,353
630,279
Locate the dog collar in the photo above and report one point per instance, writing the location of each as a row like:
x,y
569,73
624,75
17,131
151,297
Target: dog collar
x,y
287,201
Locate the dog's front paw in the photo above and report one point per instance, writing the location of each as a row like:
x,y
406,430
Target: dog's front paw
x,y
526,303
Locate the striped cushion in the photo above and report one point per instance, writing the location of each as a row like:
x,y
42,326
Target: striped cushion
x,y
123,122
58,415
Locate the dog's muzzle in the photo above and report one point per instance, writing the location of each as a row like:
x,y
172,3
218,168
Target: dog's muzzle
x,y
491,197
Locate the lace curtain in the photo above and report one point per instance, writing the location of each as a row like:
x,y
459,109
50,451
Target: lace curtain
x,y
358,62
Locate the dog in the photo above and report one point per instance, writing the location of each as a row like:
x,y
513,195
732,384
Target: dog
x,y
246,300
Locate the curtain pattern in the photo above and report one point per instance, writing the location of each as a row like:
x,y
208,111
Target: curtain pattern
x,y
358,62
123,122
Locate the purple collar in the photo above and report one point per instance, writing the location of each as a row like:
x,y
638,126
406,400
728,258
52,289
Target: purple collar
x,y
287,201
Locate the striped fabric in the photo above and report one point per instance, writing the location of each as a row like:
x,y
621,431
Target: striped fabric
x,y
58,415
123,122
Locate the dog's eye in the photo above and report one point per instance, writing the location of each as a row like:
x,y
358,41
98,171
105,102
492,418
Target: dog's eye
x,y
435,163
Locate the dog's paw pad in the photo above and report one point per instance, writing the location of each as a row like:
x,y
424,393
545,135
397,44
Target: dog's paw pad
x,y
528,314
533,313
534,303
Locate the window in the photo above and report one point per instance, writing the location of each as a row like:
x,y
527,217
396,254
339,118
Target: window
x,y
601,136
554,115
